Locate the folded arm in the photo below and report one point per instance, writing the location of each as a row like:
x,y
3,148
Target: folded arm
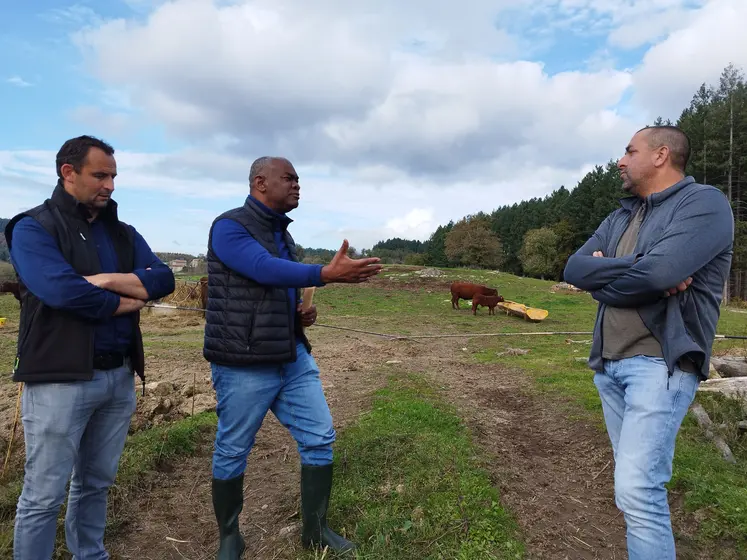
x,y
44,271
241,252
703,227
150,280
590,273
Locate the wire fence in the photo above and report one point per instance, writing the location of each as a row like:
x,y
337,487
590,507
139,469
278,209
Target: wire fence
x,y
187,293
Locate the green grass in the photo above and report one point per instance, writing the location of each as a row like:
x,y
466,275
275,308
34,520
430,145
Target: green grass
x,y
409,482
414,487
7,272
10,310
714,491
144,452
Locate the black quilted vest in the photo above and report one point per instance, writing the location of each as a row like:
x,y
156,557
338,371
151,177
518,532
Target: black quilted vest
x,y
55,345
248,323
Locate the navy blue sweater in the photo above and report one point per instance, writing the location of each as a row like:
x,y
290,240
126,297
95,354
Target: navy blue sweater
x,y
239,251
42,268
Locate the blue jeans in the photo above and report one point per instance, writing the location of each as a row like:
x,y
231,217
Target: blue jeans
x,y
643,417
292,391
80,428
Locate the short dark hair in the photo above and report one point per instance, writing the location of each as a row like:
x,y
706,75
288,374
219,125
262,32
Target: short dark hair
x,y
75,150
674,138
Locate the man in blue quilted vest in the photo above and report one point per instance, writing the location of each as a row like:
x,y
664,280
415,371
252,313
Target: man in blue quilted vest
x,y
259,354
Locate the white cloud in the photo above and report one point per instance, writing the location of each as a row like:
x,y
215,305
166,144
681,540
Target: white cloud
x,y
399,117
626,24
75,15
102,122
418,223
258,72
673,70
172,200
18,81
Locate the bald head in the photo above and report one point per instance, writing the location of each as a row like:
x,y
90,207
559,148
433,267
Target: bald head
x,y
274,182
654,160
674,139
260,165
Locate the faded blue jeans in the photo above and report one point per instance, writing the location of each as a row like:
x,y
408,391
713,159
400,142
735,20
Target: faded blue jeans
x,y
80,428
293,392
643,417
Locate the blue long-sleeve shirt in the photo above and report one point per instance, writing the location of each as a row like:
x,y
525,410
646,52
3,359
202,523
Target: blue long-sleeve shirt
x,y
42,268
239,251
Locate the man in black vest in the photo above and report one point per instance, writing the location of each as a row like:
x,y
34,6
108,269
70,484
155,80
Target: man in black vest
x,y
259,354
84,276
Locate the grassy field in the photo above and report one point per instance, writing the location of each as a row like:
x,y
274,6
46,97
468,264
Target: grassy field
x,y
409,508
713,490
415,489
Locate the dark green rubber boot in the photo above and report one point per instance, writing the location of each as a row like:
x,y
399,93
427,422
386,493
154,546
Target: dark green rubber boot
x,y
316,487
228,501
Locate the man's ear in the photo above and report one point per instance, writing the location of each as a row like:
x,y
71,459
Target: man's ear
x,y
67,171
662,155
259,184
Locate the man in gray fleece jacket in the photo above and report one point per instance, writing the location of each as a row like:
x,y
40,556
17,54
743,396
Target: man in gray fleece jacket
x,y
657,266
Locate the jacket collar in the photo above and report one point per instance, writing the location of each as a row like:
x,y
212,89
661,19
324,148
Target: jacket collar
x,y
67,203
265,213
632,202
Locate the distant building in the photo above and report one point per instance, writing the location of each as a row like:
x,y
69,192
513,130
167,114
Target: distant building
x,y
177,265
195,263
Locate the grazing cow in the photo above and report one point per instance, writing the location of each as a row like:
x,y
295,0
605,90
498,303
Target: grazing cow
x,y
204,291
465,290
11,288
486,301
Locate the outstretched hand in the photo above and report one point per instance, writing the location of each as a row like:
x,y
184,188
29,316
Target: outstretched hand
x,y
344,269
681,287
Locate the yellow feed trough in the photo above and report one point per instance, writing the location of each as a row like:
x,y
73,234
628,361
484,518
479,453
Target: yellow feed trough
x,y
520,310
2,321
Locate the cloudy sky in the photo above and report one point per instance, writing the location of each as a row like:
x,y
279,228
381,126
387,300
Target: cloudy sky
x,y
398,117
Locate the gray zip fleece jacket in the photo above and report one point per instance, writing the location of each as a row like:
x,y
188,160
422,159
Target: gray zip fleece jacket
x,y
687,230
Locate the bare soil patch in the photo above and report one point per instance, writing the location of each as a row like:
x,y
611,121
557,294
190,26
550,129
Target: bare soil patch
x,y
177,504
552,471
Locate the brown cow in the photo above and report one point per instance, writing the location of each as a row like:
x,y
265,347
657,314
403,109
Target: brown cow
x,y
486,301
11,288
465,290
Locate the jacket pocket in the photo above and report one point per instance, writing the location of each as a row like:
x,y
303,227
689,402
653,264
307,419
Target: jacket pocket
x,y
25,329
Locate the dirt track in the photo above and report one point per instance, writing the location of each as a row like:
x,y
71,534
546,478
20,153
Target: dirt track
x,y
544,464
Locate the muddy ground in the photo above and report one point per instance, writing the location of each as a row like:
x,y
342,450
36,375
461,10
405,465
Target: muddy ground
x,y
554,473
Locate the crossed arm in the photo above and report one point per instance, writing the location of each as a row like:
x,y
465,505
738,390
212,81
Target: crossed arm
x,y
150,280
702,228
42,268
